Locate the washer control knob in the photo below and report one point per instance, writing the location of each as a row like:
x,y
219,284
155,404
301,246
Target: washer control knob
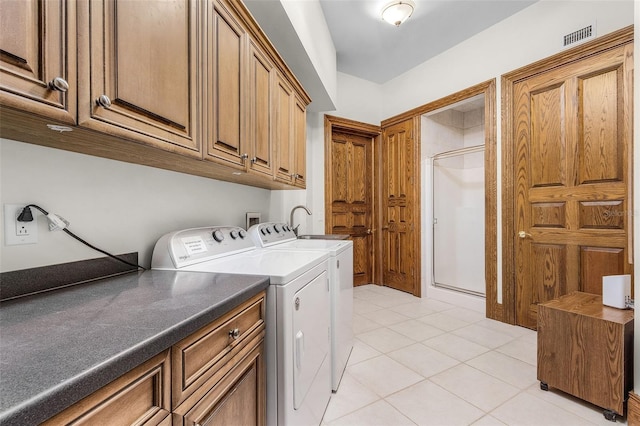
x,y
263,231
218,235
242,233
268,228
234,234
277,228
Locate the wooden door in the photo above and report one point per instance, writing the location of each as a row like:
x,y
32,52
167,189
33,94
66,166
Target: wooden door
x,y
572,134
37,46
400,215
283,141
350,190
260,115
138,71
225,89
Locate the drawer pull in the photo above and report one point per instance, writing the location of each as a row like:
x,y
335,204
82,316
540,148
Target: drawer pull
x,y
234,333
103,101
59,84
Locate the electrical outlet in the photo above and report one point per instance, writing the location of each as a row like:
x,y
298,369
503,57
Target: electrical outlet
x,y
15,232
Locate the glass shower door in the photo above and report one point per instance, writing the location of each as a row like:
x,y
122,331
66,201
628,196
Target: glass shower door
x,y
458,220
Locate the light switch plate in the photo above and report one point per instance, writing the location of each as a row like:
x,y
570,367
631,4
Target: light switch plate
x,y
16,233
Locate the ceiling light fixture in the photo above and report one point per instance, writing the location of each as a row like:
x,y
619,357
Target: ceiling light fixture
x,y
398,11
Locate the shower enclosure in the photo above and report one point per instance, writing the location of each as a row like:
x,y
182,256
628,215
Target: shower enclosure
x,y
453,218
458,220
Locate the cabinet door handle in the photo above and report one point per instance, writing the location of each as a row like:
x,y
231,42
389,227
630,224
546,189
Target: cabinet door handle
x,y
103,101
244,156
234,333
254,160
59,84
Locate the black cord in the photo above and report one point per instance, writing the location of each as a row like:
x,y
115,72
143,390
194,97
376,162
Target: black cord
x,y
43,211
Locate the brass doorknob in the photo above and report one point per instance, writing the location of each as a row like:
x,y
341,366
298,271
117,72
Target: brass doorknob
x,y
523,234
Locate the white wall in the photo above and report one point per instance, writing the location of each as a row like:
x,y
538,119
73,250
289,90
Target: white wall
x,y
117,206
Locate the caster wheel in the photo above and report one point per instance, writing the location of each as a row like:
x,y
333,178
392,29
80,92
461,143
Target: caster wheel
x,y
610,415
544,386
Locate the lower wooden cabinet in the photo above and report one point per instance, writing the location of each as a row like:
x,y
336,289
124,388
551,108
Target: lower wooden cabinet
x,y
142,396
237,399
217,377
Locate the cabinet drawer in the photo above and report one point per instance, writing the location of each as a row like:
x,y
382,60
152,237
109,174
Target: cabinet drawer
x,y
199,356
141,396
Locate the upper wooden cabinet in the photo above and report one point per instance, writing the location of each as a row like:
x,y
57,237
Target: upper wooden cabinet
x,y
37,59
290,135
239,111
138,69
164,83
225,114
300,143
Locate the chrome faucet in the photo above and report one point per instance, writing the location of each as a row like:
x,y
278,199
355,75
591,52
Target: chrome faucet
x,y
295,229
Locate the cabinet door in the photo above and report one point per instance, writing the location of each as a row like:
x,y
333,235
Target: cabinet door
x,y
225,88
141,396
283,131
138,71
37,47
238,399
300,143
260,85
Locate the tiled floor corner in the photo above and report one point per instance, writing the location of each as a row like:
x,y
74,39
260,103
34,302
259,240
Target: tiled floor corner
x,y
425,362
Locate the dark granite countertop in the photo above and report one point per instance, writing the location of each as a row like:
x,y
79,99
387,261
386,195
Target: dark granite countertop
x,y
58,347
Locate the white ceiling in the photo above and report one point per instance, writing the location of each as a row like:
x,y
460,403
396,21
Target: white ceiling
x,y
371,49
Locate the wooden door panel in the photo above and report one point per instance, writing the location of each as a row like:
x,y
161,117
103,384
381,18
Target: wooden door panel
x,y
601,146
548,143
548,215
602,214
597,262
361,260
571,181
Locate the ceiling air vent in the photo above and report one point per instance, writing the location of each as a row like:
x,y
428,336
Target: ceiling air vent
x,y
580,35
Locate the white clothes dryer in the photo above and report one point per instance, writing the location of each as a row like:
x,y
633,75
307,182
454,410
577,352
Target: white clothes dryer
x,y
280,236
297,344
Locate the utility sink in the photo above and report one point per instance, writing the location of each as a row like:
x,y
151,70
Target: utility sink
x,y
323,237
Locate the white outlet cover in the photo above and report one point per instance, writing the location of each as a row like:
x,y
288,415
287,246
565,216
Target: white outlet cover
x,y
11,237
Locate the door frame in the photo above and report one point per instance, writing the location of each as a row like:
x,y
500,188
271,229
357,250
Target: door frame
x,y
488,89
344,125
506,311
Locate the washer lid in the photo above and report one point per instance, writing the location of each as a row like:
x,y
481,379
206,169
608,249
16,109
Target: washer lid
x,y
282,266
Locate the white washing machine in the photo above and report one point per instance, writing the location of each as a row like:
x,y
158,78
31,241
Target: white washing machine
x,y
280,236
297,313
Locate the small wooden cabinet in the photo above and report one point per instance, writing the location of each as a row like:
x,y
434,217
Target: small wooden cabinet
x,y
586,350
37,60
215,376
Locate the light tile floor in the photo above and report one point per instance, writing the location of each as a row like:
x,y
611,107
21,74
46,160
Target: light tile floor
x,y
424,362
